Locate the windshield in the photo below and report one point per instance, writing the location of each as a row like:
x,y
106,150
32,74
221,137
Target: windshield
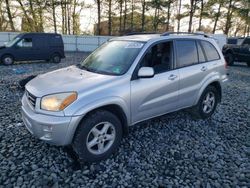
x,y
11,42
113,58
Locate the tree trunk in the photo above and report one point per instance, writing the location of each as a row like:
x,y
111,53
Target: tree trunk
x,y
132,16
143,15
217,18
155,17
33,13
191,14
201,14
168,15
125,15
99,17
74,17
120,18
26,15
228,20
9,15
54,15
40,14
63,32
68,6
179,19
110,20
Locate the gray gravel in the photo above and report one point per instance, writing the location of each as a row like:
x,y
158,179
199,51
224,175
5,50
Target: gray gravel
x,y
170,151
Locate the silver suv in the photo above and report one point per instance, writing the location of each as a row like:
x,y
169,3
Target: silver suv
x,y
127,80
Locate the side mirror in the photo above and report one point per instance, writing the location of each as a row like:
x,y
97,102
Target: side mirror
x,y
146,72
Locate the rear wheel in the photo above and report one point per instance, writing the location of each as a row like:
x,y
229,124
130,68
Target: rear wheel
x,y
207,103
230,59
98,136
7,60
55,58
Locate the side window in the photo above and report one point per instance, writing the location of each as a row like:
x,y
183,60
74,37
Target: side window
x,y
186,53
25,43
160,57
201,55
246,41
210,51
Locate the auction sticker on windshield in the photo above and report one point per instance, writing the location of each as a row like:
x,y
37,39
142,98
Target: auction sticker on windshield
x,y
134,45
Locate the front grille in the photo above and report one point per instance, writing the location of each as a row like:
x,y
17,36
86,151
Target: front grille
x,y
31,99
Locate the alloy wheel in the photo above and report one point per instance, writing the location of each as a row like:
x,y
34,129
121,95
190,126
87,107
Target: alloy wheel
x,y
100,138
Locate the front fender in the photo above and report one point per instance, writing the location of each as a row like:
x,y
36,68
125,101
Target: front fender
x,y
104,102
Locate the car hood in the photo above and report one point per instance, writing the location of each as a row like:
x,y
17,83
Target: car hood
x,y
66,80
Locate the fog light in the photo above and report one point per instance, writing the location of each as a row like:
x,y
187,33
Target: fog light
x,y
47,128
47,136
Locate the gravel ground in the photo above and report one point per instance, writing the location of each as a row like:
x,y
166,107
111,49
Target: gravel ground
x,y
170,151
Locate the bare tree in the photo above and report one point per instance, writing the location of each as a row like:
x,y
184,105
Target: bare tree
x,y
9,15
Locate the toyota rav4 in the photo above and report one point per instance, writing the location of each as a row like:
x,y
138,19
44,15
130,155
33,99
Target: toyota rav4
x,y
127,80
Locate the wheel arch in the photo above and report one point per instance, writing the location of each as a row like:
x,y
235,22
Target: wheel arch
x,y
7,54
214,83
112,107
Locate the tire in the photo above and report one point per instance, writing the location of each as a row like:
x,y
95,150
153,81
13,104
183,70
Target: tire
x,y
200,111
87,141
248,64
230,59
7,60
55,58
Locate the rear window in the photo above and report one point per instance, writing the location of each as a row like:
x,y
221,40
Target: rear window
x,y
210,51
186,53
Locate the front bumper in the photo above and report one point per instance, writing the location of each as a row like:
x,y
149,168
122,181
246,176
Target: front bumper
x,y
56,130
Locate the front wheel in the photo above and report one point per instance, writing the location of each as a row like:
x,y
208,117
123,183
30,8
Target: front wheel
x,y
7,60
207,103
98,136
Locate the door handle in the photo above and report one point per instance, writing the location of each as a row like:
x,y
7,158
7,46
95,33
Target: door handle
x,y
172,77
203,68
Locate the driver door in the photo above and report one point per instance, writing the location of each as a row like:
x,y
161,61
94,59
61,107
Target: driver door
x,y
158,95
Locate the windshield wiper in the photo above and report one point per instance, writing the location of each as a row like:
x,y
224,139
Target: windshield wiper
x,y
84,67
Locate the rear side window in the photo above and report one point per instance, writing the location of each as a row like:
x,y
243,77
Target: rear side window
x,y
210,51
186,53
247,41
202,58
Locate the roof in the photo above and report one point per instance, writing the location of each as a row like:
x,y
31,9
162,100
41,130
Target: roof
x,y
33,33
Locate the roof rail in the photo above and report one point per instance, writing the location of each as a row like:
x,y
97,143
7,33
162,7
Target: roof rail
x,y
189,33
140,33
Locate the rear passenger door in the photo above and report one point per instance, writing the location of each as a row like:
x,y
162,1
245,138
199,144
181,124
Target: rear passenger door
x,y
196,59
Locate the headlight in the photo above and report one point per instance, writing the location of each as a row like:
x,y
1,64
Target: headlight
x,y
58,102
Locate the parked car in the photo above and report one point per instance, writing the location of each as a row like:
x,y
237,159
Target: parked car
x,y
240,51
33,46
125,81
